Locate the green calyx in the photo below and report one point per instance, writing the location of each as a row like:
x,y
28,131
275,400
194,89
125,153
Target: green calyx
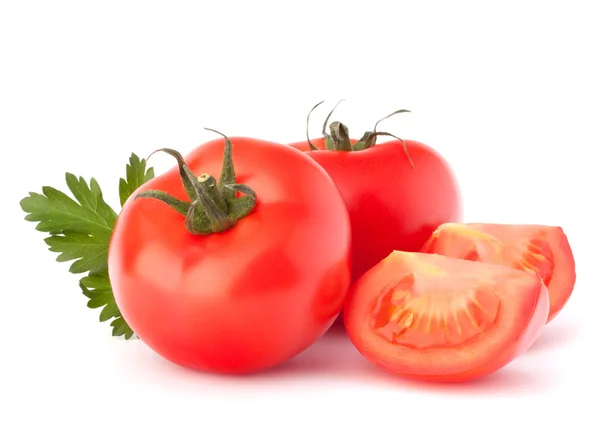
x,y
214,206
338,138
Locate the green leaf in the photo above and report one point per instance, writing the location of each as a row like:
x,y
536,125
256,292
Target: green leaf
x,y
99,282
99,291
56,212
120,328
90,251
109,311
86,225
136,176
92,198
80,229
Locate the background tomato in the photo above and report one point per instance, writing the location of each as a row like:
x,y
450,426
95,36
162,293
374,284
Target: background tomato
x,y
438,318
247,298
543,250
391,205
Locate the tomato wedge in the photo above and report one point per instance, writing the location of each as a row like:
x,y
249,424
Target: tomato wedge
x,y
543,250
438,318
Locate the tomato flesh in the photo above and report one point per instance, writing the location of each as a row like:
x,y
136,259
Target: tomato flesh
x,y
439,318
543,250
427,315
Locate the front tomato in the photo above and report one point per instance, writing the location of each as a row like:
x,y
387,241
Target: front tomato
x,y
238,291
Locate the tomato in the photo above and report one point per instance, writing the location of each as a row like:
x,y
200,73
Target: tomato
x,y
241,297
541,249
438,318
392,205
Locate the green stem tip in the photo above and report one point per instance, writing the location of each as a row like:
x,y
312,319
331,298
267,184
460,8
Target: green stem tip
x,y
214,206
338,138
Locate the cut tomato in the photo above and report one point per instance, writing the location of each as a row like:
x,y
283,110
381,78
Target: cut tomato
x,y
543,250
438,318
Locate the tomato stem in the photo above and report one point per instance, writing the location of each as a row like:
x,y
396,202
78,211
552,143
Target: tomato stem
x,y
177,204
400,111
310,144
338,138
213,207
227,176
210,186
373,135
329,141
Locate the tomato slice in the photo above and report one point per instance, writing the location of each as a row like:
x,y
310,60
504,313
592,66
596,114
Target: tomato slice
x,y
543,250
444,319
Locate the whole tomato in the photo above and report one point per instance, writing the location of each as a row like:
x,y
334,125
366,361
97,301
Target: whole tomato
x,y
238,275
397,192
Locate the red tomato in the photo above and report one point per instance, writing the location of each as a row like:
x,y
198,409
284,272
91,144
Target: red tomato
x,y
438,318
246,298
543,250
391,205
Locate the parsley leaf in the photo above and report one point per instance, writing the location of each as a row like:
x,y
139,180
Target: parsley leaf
x,y
137,175
99,291
90,251
80,230
57,212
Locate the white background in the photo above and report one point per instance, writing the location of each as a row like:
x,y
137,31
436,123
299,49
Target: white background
x,y
507,93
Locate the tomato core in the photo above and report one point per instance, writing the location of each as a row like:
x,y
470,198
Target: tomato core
x,y
538,249
537,257
411,315
532,253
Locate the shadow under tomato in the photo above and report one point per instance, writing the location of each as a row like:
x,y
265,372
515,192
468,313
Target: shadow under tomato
x,y
333,358
506,381
556,334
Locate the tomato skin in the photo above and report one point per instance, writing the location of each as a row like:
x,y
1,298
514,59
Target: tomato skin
x,y
523,309
248,298
391,205
452,239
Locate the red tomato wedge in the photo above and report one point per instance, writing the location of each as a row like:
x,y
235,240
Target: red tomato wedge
x,y
438,318
543,250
